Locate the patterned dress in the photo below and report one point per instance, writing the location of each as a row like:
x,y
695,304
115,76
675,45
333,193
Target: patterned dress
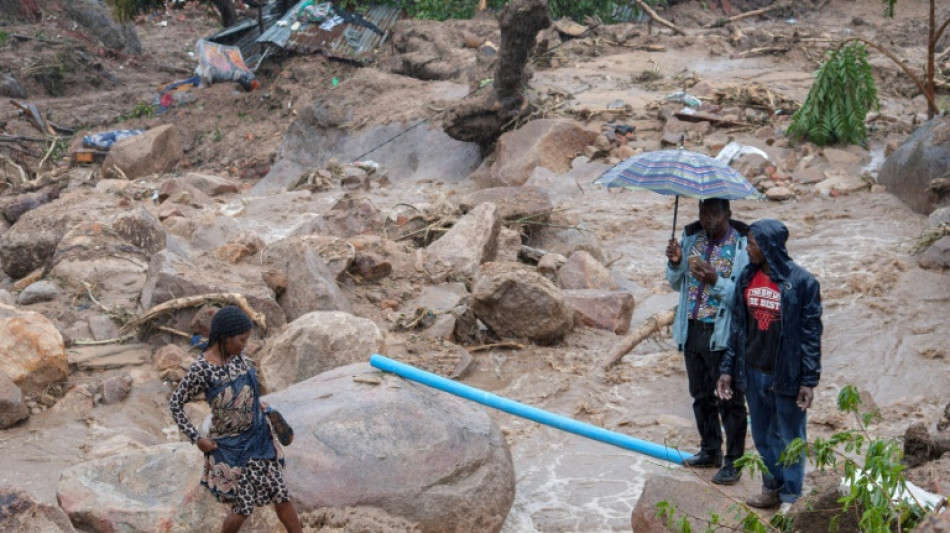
x,y
247,468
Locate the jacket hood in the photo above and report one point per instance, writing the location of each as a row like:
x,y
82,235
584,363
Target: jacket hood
x,y
695,227
771,236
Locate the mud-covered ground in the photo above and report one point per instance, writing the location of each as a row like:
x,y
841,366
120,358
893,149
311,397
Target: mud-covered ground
x,y
885,318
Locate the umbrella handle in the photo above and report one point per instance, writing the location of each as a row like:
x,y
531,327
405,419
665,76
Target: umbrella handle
x,y
676,207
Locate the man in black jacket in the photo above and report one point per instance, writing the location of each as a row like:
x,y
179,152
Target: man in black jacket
x,y
774,355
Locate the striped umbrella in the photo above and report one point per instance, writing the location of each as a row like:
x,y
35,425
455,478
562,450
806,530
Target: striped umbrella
x,y
679,173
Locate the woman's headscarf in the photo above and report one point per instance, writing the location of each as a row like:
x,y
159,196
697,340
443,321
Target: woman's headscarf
x,y
229,321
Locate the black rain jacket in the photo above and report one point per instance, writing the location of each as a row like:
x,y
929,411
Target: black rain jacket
x,y
798,362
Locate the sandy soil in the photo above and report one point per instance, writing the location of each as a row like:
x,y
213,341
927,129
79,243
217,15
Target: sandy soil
x,y
884,323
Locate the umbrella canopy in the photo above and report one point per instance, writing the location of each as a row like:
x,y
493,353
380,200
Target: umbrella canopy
x,y
679,173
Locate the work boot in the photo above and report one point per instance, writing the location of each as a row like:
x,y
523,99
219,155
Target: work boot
x,y
704,459
767,500
727,475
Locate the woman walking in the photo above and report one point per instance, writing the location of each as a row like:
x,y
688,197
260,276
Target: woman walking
x,y
243,460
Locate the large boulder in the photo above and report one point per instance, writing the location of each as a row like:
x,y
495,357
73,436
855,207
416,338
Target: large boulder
x,y
156,151
513,203
32,351
351,215
171,276
96,17
151,489
368,438
693,500
937,255
565,234
548,142
515,301
340,125
31,242
472,241
315,343
112,255
582,271
211,184
309,285
21,513
12,408
609,310
924,157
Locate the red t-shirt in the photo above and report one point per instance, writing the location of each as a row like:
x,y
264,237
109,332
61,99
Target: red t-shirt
x,y
764,324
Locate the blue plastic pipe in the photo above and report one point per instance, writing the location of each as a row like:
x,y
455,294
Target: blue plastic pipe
x,y
526,411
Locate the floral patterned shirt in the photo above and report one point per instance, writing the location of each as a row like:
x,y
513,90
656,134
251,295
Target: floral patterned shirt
x,y
229,415
702,305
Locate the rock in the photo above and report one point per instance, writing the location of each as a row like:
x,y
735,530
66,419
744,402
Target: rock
x,y
12,408
515,301
934,523
369,266
814,510
599,309
509,245
340,125
78,400
114,445
513,203
112,254
836,180
314,343
549,264
440,298
15,206
582,271
156,151
10,87
210,184
549,142
169,356
96,17
472,241
181,191
21,513
565,234
692,498
338,254
139,489
779,194
115,389
6,297
213,229
923,157
808,176
352,215
103,327
41,291
171,276
939,217
565,187
442,328
310,285
32,352
839,157
31,242
373,439
937,256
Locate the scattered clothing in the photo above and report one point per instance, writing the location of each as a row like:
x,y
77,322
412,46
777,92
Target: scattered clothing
x,y
105,140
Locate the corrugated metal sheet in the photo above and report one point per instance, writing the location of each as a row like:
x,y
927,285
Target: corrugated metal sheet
x,y
347,41
245,34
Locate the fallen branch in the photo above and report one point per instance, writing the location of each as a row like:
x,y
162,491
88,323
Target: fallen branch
x,y
755,12
660,20
194,301
653,324
765,50
21,138
507,344
117,340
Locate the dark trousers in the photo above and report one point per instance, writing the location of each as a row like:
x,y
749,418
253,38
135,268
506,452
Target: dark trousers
x,y
702,371
776,421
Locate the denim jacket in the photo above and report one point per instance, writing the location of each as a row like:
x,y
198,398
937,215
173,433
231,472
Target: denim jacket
x,y
798,362
723,290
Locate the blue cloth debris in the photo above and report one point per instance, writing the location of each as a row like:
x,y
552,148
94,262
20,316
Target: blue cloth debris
x,y
105,140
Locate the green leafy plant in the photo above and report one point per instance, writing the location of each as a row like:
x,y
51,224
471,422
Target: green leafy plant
x,y
839,100
216,135
4,38
141,110
871,466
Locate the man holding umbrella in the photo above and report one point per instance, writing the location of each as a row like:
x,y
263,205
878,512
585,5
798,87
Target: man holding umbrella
x,y
715,254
